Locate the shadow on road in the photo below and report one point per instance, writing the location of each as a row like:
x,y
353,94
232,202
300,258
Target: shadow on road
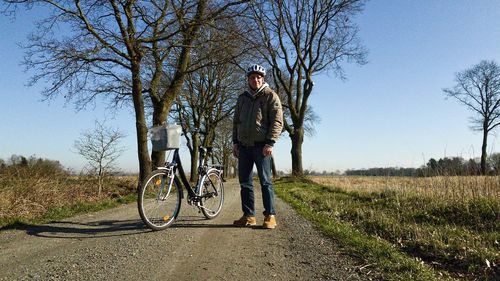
x,y
197,222
201,225
106,228
78,230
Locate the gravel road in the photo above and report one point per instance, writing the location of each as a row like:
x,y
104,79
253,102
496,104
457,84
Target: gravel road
x,y
114,245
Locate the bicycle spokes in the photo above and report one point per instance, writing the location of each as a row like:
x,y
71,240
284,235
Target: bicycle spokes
x,y
159,200
212,194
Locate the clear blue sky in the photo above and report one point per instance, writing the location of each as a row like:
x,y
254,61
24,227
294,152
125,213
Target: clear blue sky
x,y
390,112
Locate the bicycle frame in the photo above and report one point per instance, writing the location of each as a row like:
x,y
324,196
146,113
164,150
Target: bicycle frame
x,y
176,165
160,196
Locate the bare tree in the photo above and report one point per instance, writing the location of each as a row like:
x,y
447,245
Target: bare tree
x,y
208,100
171,63
478,88
209,94
104,47
223,147
303,38
99,147
100,53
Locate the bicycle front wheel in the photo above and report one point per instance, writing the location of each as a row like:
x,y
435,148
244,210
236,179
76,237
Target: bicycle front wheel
x,y
212,194
159,200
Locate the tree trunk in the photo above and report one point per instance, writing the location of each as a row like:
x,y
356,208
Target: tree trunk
x,y
99,181
297,139
235,169
194,158
225,162
483,151
157,159
140,125
160,113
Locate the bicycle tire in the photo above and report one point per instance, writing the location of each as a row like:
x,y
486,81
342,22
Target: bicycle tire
x,y
212,194
159,206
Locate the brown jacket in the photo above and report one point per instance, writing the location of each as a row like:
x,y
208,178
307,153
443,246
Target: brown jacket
x,y
257,119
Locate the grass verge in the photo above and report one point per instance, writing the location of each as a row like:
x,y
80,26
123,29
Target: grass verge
x,y
404,237
66,211
36,200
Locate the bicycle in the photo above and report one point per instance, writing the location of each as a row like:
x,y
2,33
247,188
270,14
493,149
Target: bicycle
x,y
160,196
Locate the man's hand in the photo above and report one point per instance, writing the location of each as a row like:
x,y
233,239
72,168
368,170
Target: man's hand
x,y
267,150
236,150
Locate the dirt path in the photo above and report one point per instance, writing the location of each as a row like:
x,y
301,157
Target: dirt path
x,y
114,245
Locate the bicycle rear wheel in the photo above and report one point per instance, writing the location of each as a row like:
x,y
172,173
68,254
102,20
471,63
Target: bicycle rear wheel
x,y
158,202
212,194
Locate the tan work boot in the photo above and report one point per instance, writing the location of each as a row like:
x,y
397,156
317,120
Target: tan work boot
x,y
269,222
245,221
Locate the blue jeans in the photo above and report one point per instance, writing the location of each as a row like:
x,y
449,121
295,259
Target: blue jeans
x,y
248,156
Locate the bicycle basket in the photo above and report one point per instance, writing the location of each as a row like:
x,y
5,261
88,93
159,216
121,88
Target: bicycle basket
x,y
165,137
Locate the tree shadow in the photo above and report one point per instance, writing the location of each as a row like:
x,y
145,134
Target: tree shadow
x,y
105,228
79,230
191,222
201,225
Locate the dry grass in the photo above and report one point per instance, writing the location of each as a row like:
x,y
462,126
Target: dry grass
x,y
451,188
28,195
450,223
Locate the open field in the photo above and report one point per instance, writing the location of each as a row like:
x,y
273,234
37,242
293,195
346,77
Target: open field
x,y
460,188
406,228
447,227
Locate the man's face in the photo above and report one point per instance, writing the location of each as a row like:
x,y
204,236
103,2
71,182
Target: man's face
x,y
255,81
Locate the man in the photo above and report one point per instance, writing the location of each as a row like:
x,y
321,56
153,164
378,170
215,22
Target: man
x,y
257,124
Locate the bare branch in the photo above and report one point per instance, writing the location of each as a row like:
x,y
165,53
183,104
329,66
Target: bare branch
x,y
478,88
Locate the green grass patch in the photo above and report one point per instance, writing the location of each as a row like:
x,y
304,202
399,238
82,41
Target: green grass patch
x,y
404,236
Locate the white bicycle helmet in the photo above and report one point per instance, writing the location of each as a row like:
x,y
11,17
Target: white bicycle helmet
x,y
256,69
